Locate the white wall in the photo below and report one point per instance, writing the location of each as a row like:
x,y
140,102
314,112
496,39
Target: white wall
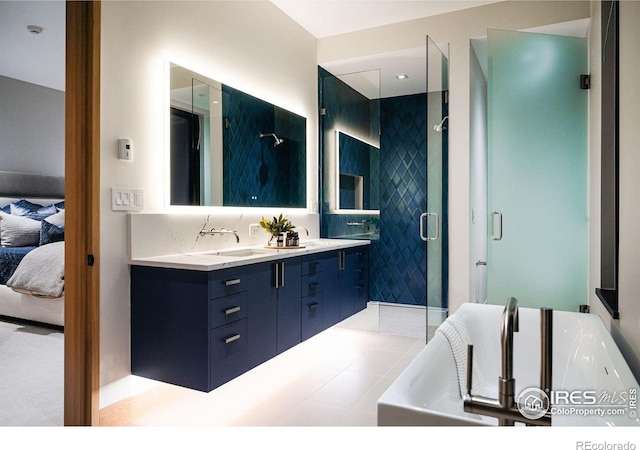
x,y
456,29
625,331
251,46
31,127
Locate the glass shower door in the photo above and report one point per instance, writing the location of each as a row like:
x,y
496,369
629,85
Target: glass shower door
x,y
433,221
537,170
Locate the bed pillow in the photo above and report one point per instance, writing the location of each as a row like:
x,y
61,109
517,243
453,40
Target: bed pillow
x,y
52,229
18,231
59,206
6,209
32,210
50,233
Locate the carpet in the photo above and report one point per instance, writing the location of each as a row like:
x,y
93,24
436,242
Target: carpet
x,y
31,375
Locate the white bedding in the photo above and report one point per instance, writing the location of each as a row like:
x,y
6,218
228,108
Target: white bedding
x,y
29,307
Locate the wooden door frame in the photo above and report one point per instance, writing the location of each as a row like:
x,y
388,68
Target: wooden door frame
x,y
82,202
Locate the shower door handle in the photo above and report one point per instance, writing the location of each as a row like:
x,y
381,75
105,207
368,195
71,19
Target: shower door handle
x,y
497,237
423,218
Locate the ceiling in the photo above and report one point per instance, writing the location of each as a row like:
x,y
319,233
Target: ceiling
x,y
34,58
324,18
39,58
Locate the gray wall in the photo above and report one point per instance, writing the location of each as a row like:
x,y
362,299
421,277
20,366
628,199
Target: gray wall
x,y
31,128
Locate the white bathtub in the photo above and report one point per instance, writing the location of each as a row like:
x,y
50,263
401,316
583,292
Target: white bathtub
x,y
586,362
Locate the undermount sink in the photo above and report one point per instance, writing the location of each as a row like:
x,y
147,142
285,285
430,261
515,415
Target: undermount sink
x,y
241,253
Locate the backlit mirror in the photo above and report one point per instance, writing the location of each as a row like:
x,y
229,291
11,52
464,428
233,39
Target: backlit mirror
x,y
228,148
358,172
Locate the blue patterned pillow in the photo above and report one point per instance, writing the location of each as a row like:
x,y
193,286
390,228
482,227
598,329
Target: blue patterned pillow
x,y
6,209
32,210
59,206
50,233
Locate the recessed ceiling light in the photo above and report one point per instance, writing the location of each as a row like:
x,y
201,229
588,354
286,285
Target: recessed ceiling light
x,y
403,76
34,29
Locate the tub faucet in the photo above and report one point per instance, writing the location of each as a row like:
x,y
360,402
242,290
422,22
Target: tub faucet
x,y
505,408
506,382
212,231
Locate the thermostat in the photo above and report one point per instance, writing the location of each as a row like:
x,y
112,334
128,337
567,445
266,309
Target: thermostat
x,y
125,149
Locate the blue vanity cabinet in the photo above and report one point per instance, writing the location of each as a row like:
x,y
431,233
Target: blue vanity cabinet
x,y
189,328
353,268
287,290
170,326
200,329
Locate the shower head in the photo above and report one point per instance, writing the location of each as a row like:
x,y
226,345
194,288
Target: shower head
x,y
277,140
440,127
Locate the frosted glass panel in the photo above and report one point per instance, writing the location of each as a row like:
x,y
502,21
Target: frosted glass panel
x,y
537,170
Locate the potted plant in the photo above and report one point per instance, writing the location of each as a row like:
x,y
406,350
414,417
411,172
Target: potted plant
x,y
276,226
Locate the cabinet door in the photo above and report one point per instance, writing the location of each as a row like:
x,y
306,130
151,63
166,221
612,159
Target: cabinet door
x,y
262,316
170,326
288,290
228,346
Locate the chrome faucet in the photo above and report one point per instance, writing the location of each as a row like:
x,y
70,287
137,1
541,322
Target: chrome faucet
x,y
212,231
505,408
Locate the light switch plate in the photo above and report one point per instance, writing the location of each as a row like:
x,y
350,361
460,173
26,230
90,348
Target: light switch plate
x,y
127,199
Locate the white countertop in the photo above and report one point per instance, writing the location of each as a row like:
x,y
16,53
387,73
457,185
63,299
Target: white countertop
x,y
241,256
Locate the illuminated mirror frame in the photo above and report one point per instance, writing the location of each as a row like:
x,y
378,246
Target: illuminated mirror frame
x,y
335,208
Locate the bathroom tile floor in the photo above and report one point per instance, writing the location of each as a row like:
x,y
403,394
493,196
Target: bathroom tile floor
x,y
332,379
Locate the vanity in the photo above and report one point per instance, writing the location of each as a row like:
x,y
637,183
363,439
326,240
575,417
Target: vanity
x,y
201,319
205,308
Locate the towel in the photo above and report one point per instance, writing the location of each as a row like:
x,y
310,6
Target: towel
x,y
457,335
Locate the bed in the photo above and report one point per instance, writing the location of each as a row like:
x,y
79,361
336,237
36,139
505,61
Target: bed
x,y
32,247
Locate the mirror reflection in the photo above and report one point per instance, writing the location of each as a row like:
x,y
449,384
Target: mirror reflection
x,y
229,148
358,173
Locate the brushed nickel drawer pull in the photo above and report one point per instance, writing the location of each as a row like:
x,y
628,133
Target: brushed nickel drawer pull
x,y
232,282
235,309
314,306
230,339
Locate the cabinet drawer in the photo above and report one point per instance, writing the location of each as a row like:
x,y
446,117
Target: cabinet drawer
x,y
224,310
311,284
228,347
311,265
227,281
361,256
312,322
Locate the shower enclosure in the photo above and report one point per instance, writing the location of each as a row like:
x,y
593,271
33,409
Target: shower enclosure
x,y
536,171
408,224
